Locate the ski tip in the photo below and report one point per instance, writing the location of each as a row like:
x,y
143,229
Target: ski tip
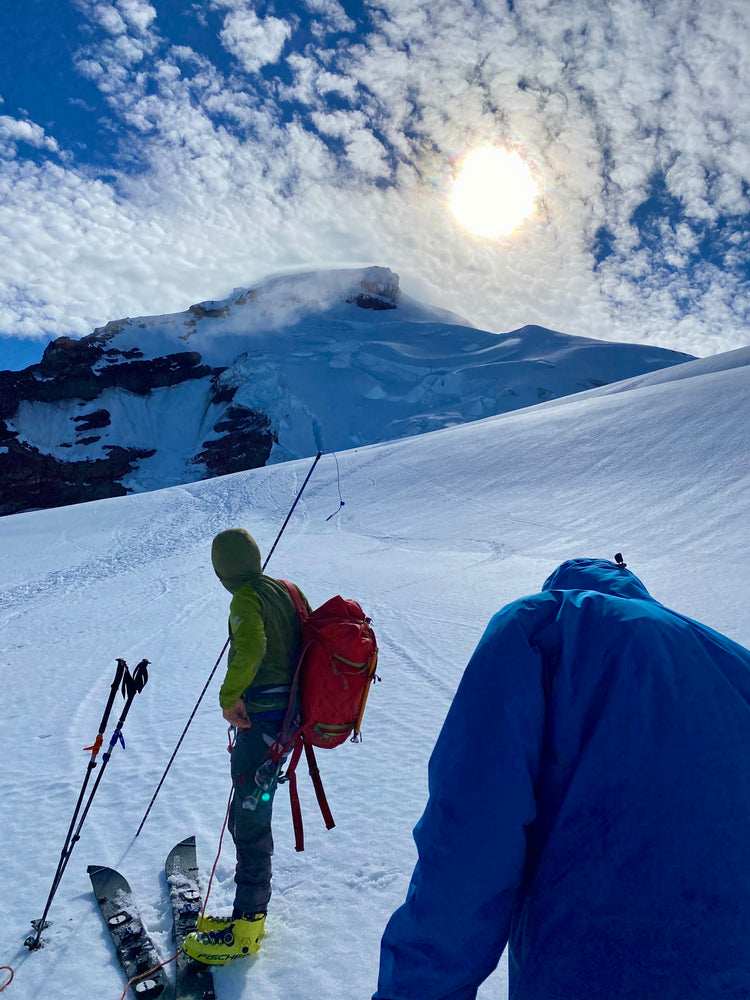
x,y
98,873
187,842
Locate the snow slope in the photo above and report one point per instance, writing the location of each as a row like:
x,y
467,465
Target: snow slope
x,y
328,359
437,532
343,358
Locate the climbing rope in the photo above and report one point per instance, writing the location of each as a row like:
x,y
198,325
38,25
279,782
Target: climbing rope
x,y
230,747
145,975
150,972
338,484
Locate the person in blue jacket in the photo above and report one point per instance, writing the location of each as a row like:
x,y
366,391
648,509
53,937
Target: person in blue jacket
x,y
589,806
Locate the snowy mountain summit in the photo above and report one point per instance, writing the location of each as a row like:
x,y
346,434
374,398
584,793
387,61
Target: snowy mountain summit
x,y
326,360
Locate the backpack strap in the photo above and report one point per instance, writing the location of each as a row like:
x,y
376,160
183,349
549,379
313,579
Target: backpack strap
x,y
299,604
320,794
290,726
291,776
299,743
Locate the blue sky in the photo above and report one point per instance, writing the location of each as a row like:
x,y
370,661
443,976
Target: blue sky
x,y
154,153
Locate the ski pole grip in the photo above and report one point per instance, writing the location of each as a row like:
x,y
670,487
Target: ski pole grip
x,y
133,683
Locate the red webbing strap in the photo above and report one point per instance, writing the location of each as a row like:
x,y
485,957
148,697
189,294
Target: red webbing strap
x,y
297,601
291,776
318,785
291,771
292,705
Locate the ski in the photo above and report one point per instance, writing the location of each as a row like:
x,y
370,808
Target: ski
x,y
135,949
194,979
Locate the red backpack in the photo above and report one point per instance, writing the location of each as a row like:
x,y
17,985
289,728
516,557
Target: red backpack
x,y
335,669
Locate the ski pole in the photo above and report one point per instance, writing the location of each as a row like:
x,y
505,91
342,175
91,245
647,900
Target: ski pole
x,y
224,648
95,748
131,685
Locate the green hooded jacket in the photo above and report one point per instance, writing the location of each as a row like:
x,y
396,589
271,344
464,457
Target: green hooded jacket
x,y
263,627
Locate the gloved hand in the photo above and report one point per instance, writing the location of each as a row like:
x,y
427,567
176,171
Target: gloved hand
x,y
236,715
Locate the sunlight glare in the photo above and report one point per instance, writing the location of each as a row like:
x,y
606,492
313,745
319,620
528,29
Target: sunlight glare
x,y
494,192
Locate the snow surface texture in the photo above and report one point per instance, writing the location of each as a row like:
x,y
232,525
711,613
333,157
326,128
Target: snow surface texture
x,y
337,359
438,532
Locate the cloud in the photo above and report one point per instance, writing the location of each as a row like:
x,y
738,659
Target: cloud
x,y
14,130
332,13
315,141
254,41
138,14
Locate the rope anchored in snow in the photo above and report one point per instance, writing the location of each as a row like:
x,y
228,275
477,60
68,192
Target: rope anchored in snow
x,y
224,648
130,685
182,737
338,484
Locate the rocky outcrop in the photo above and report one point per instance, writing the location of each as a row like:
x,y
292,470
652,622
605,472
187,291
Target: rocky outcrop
x,y
378,291
94,420
245,442
79,372
33,480
83,369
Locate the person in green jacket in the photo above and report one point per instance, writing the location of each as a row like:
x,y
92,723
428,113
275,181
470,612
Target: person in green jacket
x,y
264,645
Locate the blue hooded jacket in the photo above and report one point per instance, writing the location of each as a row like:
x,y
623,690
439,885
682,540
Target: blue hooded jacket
x,y
589,805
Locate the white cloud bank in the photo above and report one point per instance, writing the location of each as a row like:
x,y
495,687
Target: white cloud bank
x,y
634,118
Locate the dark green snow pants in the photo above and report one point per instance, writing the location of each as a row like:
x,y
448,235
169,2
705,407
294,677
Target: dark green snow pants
x,y
251,828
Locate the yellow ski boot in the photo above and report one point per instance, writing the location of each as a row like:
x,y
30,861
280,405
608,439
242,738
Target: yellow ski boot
x,y
208,923
227,941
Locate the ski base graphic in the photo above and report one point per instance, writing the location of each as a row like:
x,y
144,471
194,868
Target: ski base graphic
x,y
135,949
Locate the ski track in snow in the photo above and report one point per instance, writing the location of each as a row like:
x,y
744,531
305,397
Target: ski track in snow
x,y
186,520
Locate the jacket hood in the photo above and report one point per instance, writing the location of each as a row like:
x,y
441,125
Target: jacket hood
x,y
599,575
236,558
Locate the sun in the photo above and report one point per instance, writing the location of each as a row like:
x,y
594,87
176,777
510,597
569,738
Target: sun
x,y
494,192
